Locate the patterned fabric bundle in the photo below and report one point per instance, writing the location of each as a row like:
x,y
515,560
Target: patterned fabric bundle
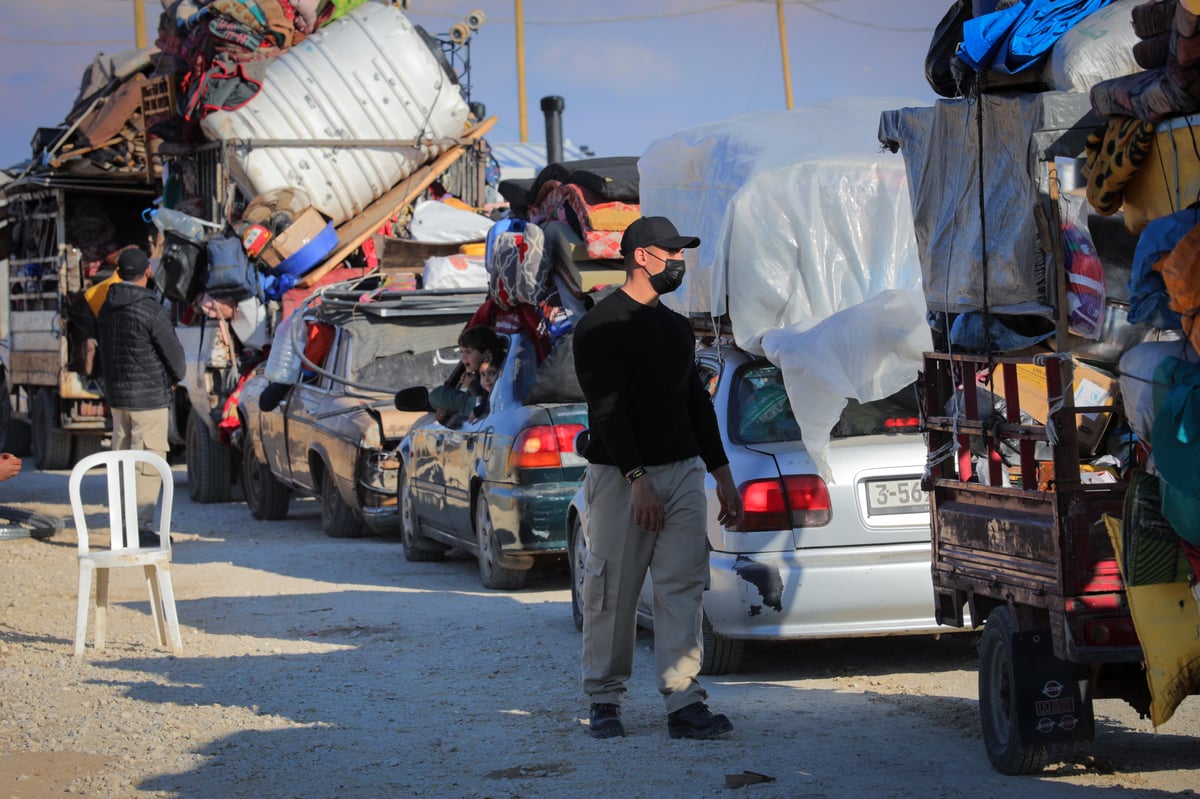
x,y
1115,151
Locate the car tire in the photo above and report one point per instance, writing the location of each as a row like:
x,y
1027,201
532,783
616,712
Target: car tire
x,y
417,548
86,445
338,519
17,523
577,557
209,472
267,498
51,444
721,655
998,700
491,573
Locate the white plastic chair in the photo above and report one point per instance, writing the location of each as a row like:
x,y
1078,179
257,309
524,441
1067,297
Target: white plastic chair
x,y
125,550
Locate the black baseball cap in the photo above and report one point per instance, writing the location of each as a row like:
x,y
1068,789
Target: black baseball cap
x,y
655,231
132,263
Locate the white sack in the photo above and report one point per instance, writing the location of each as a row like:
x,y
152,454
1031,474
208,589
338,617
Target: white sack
x,y
438,223
866,352
1098,47
455,272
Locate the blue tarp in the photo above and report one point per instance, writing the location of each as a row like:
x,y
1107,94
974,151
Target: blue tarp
x,y
1016,38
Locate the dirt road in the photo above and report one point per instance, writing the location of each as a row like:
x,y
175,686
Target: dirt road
x,y
320,668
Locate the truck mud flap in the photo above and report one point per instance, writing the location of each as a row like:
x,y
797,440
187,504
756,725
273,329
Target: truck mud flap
x,y
1054,703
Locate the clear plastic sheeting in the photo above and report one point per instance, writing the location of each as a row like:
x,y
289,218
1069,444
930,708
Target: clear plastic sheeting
x,y
865,352
940,145
799,213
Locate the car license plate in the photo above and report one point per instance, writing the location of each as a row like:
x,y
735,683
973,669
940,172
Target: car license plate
x,y
896,496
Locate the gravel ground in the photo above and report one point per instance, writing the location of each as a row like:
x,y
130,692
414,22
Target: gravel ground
x,y
318,668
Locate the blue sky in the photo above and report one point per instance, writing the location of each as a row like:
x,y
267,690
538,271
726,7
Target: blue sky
x,y
630,71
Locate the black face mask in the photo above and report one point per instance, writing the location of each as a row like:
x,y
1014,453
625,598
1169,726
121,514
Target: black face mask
x,y
670,278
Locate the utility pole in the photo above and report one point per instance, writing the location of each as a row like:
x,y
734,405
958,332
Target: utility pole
x,y
139,23
783,52
520,15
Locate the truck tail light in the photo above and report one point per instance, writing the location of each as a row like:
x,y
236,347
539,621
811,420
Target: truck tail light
x,y
541,446
783,503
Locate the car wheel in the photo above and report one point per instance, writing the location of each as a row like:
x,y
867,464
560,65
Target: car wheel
x,y
338,519
266,497
491,573
208,464
578,557
417,548
998,700
721,655
86,445
51,444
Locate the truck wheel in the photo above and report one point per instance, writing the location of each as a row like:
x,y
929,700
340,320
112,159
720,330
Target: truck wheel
x,y
208,469
266,497
417,548
491,573
721,655
576,560
338,519
51,444
87,445
998,700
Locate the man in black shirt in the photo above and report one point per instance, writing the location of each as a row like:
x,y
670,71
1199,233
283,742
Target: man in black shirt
x,y
653,434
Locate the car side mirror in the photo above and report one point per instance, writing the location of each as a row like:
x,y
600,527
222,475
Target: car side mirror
x,y
413,399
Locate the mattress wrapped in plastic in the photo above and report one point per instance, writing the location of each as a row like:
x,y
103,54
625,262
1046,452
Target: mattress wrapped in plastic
x,y
800,214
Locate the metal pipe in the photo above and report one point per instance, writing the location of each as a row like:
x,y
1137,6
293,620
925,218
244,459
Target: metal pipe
x,y
552,108
520,20
783,52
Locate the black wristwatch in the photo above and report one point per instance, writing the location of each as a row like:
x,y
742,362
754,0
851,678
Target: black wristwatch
x,y
635,473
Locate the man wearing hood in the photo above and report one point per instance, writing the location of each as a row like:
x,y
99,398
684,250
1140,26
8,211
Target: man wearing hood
x,y
142,360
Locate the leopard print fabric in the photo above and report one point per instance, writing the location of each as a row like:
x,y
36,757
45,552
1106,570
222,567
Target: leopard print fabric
x,y
1114,152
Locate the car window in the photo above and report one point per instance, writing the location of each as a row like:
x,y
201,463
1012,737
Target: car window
x,y
760,413
708,377
389,354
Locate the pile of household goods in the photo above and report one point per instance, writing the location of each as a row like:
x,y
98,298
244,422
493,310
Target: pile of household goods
x,y
1071,202
807,250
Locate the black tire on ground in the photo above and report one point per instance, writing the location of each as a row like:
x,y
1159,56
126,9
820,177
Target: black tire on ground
x,y
491,573
87,444
338,519
998,700
576,558
209,472
721,655
417,548
51,444
19,440
266,497
17,523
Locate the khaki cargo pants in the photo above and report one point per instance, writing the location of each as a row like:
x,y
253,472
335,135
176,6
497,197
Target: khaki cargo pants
x,y
143,429
619,554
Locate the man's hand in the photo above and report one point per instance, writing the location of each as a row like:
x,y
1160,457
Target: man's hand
x,y
648,509
10,465
727,495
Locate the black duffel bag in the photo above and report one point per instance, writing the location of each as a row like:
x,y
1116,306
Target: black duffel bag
x,y
180,274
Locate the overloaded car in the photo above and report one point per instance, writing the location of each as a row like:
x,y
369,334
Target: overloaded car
x,y
807,558
497,486
334,432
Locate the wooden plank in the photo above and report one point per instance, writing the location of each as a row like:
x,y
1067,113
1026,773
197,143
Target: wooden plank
x,y
33,321
354,232
34,341
33,368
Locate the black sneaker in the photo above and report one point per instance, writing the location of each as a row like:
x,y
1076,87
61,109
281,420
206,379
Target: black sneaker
x,y
605,720
695,721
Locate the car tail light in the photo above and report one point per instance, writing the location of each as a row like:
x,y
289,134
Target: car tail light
x,y
783,503
898,423
541,446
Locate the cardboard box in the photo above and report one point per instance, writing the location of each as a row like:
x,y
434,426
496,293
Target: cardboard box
x,y
1092,388
292,239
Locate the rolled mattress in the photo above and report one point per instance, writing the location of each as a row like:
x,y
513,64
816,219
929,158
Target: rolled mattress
x,y
367,76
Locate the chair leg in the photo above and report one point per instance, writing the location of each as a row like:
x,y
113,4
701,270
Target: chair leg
x,y
168,605
101,608
85,602
156,613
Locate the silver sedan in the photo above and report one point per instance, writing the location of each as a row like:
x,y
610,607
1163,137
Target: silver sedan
x,y
808,558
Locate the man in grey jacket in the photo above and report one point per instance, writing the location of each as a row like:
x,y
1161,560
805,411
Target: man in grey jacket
x,y
142,361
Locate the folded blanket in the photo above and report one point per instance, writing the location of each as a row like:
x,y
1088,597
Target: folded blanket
x,y
599,224
1113,154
